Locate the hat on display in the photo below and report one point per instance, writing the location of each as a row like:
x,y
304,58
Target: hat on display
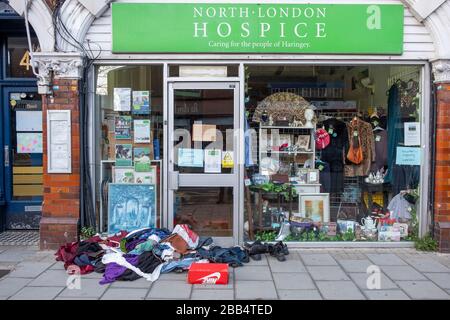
x,y
322,139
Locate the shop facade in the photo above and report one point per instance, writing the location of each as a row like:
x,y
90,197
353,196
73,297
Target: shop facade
x,y
248,121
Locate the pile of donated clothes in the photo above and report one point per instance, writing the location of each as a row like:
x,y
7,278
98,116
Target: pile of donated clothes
x,y
148,252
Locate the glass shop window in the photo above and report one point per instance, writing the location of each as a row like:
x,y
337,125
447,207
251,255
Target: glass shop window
x,y
332,153
19,60
129,107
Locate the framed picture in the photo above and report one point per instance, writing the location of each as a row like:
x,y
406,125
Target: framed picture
x,y
313,176
315,206
131,207
302,175
303,142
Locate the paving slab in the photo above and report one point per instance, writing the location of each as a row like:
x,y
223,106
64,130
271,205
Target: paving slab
x,y
327,273
402,273
37,293
386,259
88,288
10,286
291,265
441,279
262,262
422,290
299,295
339,290
58,265
255,290
319,259
124,294
293,281
361,281
28,269
386,295
253,273
17,255
173,276
427,265
138,284
51,278
212,294
355,265
170,290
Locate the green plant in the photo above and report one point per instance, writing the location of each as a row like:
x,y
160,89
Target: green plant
x,y
284,189
266,236
426,243
87,232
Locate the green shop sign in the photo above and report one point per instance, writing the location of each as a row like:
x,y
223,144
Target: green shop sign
x,y
257,28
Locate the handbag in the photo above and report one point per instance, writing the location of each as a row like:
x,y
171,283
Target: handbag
x,y
355,153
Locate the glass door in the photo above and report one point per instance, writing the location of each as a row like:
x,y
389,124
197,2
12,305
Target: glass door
x,y
22,158
203,153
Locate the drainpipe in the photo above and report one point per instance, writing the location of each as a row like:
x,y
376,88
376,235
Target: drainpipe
x,y
433,104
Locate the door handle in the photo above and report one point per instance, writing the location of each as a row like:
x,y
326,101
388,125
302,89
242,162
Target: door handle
x,y
6,156
174,180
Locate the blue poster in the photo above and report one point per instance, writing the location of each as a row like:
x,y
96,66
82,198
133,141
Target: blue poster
x,y
131,207
409,156
190,157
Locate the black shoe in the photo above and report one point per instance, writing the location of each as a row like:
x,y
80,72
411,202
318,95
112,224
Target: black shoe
x,y
277,252
285,248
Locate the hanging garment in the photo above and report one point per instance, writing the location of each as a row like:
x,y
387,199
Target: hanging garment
x,y
395,129
365,137
405,177
248,143
381,150
333,155
325,176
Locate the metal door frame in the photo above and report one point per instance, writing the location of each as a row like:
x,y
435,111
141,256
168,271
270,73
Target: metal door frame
x,y
9,203
205,179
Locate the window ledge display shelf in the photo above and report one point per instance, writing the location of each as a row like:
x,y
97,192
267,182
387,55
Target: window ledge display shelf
x,y
346,244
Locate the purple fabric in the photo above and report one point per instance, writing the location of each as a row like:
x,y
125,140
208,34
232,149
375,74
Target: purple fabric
x,y
113,270
132,244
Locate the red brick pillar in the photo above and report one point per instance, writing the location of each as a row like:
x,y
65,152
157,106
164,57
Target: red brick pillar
x,y
61,204
442,170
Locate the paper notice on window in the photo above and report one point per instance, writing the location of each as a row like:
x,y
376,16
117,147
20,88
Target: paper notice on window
x,y
122,99
203,132
412,133
227,159
190,157
213,158
141,131
408,156
28,121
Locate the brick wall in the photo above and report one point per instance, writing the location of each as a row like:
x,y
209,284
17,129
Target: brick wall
x,y
442,175
61,203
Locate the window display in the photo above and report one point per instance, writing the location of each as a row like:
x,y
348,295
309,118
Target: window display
x,y
130,104
347,139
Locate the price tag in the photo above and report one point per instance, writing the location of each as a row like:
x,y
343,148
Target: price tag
x,y
378,138
247,182
355,133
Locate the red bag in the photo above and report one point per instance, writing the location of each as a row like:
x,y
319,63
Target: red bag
x,y
322,139
208,273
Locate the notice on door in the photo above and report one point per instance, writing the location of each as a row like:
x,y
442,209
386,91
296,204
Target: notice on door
x,y
213,158
227,159
203,132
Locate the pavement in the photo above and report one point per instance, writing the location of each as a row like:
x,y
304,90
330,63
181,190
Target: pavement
x,y
307,274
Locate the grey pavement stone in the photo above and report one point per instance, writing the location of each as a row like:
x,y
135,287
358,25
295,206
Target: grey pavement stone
x,y
37,293
441,279
10,286
139,284
361,281
351,265
262,262
124,294
17,254
170,290
228,286
212,294
427,265
422,290
89,288
293,281
28,269
386,295
386,259
253,273
51,278
402,273
299,295
173,276
339,290
58,265
327,273
72,298
290,265
255,290
320,259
